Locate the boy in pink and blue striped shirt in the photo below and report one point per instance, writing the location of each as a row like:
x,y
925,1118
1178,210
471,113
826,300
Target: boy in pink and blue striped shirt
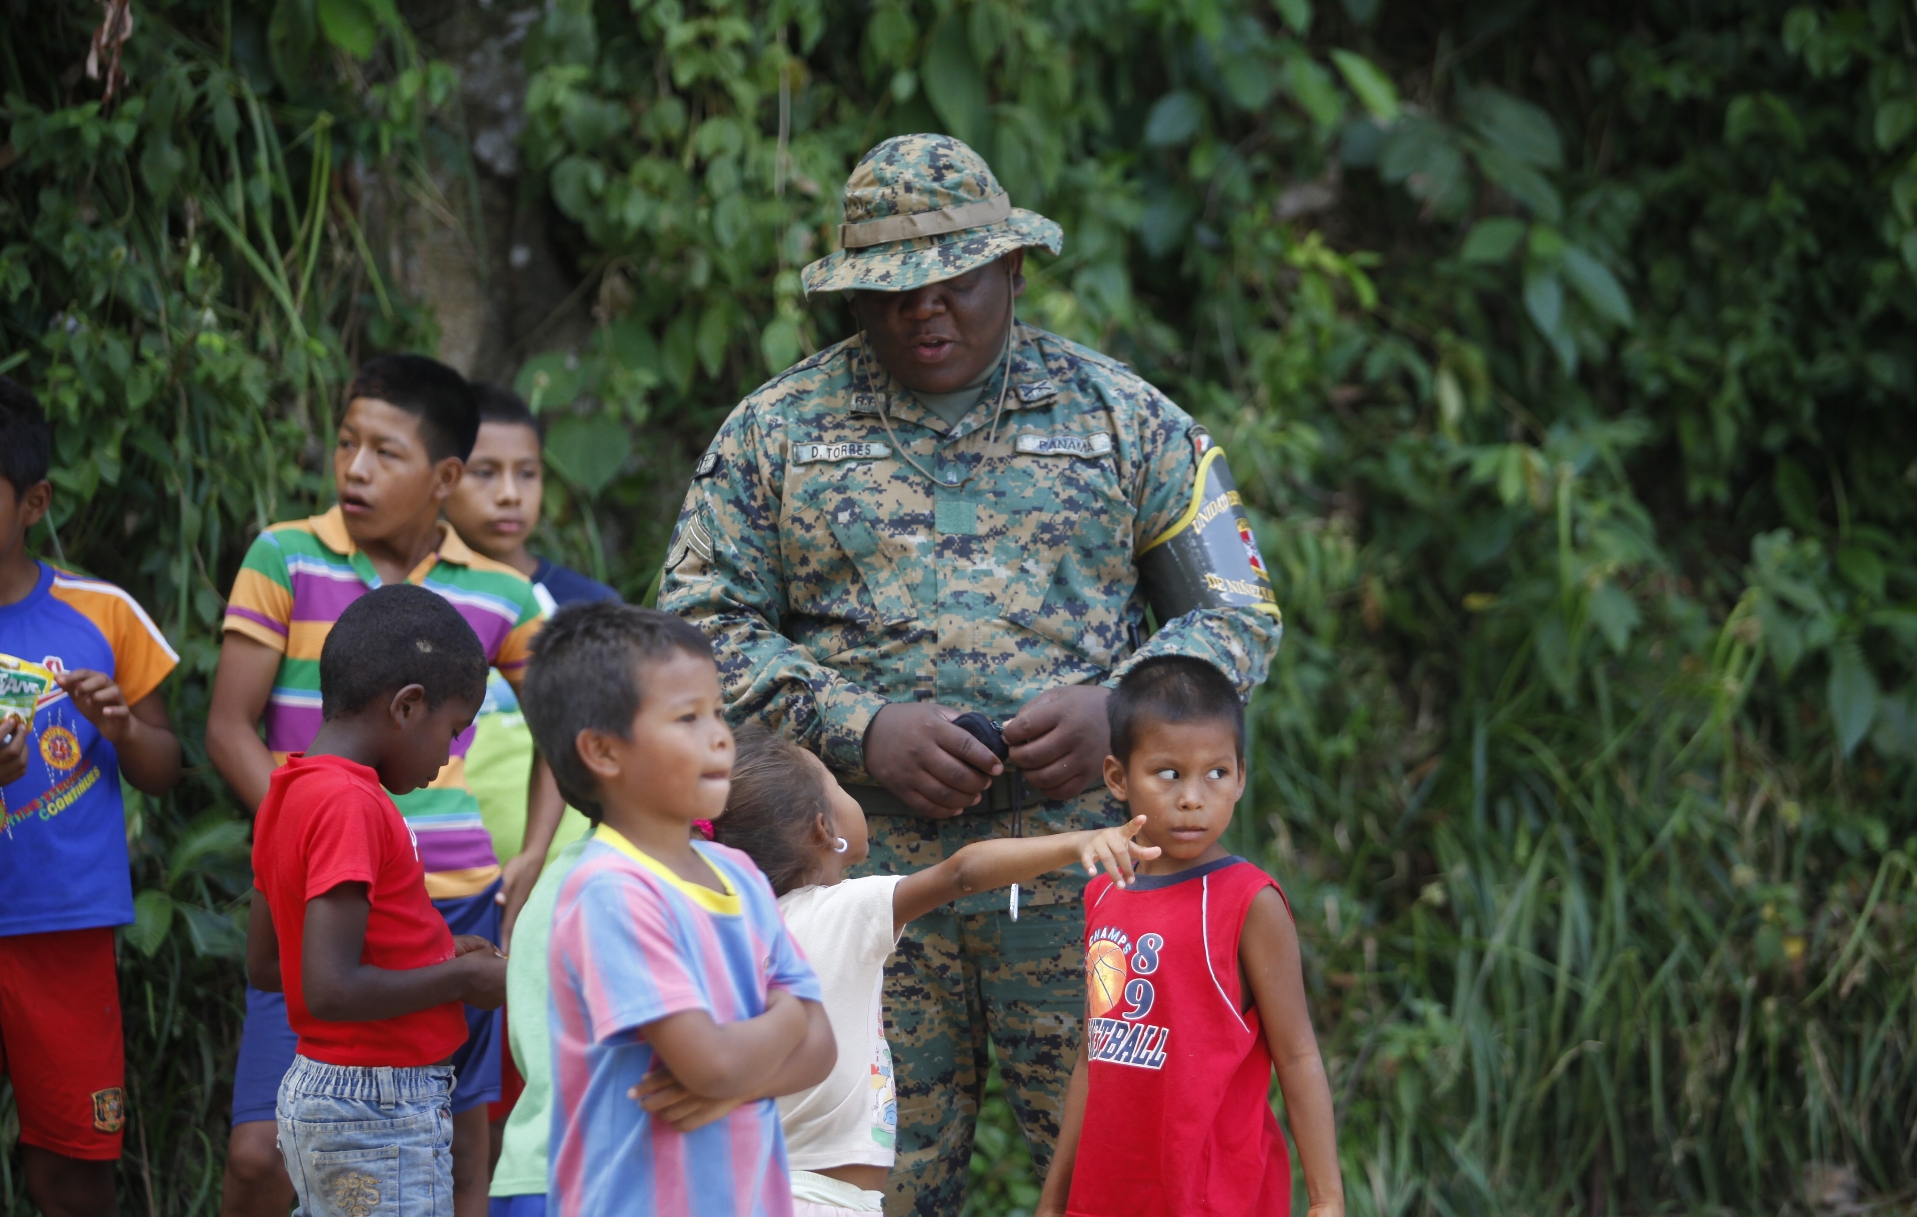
x,y
674,981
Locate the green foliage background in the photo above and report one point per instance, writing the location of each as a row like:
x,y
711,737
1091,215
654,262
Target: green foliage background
x,y
1566,352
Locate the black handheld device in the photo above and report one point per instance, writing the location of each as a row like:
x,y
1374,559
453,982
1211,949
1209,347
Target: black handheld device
x,y
989,733
986,732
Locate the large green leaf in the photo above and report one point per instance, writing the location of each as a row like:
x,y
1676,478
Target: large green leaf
x,y
214,935
1523,182
1492,239
955,87
779,343
209,838
1251,79
152,918
1422,155
1174,118
1513,126
161,165
1374,89
1852,693
1597,285
1296,14
551,379
350,25
1895,120
1763,116
1864,569
588,452
1615,614
714,333
291,34
1310,85
1544,298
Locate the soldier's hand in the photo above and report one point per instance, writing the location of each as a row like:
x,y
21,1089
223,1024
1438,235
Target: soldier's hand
x,y
1060,739
913,750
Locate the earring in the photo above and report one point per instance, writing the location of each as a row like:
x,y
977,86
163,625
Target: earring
x,y
840,845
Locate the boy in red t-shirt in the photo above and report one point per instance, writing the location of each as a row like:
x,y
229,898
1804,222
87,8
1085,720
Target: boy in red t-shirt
x,y
372,976
1194,990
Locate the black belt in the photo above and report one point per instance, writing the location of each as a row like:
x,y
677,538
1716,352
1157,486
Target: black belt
x,y
878,801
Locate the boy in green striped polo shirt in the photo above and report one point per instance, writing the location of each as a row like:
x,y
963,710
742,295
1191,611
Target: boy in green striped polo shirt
x,y
410,423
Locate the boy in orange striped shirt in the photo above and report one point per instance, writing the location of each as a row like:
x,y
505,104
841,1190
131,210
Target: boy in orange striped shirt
x,y
401,448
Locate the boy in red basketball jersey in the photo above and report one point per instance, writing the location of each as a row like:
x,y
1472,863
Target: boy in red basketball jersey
x,y
1194,990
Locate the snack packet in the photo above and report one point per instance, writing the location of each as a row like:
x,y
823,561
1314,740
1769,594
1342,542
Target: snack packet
x,y
21,686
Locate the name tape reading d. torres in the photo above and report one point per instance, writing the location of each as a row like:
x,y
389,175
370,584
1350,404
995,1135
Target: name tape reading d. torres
x,y
809,454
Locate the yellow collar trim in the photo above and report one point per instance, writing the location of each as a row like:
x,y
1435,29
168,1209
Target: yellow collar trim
x,y
330,528
727,904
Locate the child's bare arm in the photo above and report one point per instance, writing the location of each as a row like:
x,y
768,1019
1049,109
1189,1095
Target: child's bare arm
x,y
241,687
732,1060
1058,1183
668,1099
262,946
984,865
1268,952
142,738
338,987
544,808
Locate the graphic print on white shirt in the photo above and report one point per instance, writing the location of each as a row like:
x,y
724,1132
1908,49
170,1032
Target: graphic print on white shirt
x,y
885,1099
851,1118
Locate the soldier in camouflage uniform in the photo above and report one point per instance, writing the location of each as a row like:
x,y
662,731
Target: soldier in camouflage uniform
x,y
944,514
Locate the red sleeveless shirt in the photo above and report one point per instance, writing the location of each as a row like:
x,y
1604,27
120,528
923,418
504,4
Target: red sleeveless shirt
x,y
1178,1116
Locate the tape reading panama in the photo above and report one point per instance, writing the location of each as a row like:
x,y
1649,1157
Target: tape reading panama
x,y
1209,558
1098,443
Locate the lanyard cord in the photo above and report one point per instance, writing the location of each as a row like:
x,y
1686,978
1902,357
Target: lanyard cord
x,y
998,410
1018,828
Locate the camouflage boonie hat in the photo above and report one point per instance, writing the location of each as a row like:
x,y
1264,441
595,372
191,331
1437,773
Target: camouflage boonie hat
x,y
920,209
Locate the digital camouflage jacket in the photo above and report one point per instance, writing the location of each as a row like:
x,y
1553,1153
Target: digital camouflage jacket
x,y
833,577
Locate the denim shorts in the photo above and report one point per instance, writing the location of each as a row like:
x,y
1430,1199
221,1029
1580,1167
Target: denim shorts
x,y
267,1042
368,1141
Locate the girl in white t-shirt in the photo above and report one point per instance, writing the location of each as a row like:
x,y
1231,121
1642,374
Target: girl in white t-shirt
x,y
789,813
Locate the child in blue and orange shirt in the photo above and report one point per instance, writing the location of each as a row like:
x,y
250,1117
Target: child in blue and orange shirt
x,y
63,858
665,950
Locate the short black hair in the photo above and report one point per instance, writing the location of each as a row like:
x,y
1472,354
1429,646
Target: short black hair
x,y
777,796
395,636
584,675
500,405
428,390
26,441
1172,689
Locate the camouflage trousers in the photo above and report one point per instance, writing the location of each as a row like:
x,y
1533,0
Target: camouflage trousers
x,y
956,980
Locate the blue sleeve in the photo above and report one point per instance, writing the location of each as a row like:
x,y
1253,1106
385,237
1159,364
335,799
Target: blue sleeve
x,y
785,966
568,586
